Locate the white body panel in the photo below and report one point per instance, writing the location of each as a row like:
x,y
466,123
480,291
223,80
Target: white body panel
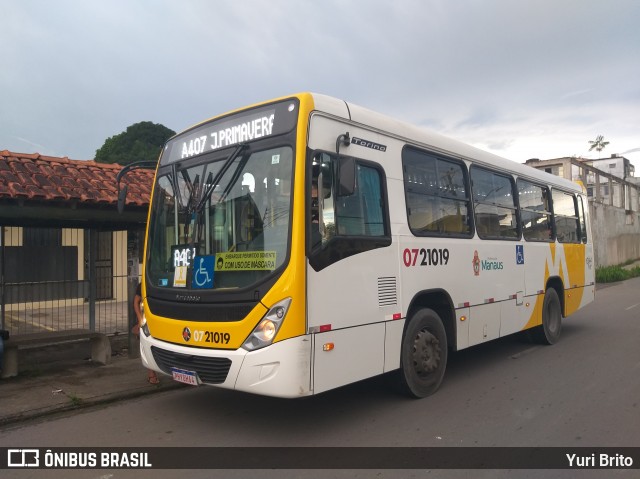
x,y
281,370
355,356
345,294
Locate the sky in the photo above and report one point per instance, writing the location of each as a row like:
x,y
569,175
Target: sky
x,y
521,79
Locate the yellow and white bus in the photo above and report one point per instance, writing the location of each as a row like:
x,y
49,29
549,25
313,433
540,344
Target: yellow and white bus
x,y
306,243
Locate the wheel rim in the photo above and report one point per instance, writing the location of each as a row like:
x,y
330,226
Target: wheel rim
x,y
426,353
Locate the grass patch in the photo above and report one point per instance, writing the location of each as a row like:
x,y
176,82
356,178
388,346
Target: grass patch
x,y
75,400
611,274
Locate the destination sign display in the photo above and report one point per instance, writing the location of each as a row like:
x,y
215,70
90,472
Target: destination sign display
x,y
248,125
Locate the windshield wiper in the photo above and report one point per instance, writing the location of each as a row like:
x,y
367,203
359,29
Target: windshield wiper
x,y
173,179
211,186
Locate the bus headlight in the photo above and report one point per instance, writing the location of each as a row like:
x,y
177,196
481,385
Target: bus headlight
x,y
268,327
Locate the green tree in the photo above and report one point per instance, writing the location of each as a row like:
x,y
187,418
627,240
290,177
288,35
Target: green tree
x,y
139,142
598,144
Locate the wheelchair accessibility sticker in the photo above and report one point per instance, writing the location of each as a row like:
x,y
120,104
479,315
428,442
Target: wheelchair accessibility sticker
x,y
519,254
203,272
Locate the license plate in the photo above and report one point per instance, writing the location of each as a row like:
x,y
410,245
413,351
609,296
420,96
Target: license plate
x,y
184,376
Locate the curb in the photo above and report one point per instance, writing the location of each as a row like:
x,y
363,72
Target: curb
x,y
87,403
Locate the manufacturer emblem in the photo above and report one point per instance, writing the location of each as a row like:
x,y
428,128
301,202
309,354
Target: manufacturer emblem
x,y
186,334
368,144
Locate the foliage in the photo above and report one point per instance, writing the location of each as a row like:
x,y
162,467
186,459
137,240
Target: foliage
x,y
75,400
609,274
140,142
599,144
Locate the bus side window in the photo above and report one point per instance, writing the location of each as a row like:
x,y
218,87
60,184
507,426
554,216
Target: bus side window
x,y
360,214
438,200
346,224
535,211
494,200
565,212
583,222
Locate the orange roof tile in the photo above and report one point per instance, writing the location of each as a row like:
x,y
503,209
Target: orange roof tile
x,y
46,178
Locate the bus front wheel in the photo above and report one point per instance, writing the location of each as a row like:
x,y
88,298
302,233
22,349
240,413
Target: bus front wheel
x,y
549,331
424,354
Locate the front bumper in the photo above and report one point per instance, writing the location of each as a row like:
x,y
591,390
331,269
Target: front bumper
x,y
282,369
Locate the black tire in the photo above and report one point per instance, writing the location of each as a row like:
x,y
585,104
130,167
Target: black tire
x,y
423,355
551,328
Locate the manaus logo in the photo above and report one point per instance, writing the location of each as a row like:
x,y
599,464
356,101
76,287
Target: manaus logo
x,y
476,263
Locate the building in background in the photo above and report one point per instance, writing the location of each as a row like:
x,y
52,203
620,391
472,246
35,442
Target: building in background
x,y
63,244
599,176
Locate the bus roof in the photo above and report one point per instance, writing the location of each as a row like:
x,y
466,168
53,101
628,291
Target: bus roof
x,y
430,140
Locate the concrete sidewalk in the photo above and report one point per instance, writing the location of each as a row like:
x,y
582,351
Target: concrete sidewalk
x,y
74,384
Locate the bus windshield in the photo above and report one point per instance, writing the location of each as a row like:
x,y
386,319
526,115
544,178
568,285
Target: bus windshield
x,y
221,222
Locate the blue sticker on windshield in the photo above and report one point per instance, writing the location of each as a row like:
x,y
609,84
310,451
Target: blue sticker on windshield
x,y
203,272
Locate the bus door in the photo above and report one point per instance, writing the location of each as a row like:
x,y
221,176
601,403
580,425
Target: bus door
x,y
352,275
498,257
497,292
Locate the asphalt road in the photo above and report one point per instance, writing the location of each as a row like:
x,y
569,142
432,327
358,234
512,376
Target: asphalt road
x,y
582,392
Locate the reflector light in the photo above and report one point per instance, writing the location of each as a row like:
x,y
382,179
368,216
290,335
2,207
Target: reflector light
x,y
328,346
397,316
463,318
325,327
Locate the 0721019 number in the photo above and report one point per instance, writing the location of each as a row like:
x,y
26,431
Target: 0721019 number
x,y
425,256
214,337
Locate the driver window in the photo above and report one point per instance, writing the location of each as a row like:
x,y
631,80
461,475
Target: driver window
x,y
358,215
322,199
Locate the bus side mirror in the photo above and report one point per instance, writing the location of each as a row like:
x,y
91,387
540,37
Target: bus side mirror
x,y
122,192
346,176
122,196
346,168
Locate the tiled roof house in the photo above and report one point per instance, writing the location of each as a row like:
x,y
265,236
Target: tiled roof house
x,y
63,243
40,188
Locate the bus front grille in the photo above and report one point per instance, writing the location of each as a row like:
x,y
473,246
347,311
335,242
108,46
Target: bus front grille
x,y
209,370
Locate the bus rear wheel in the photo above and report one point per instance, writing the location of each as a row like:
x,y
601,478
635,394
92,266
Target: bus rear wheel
x,y
424,354
549,331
